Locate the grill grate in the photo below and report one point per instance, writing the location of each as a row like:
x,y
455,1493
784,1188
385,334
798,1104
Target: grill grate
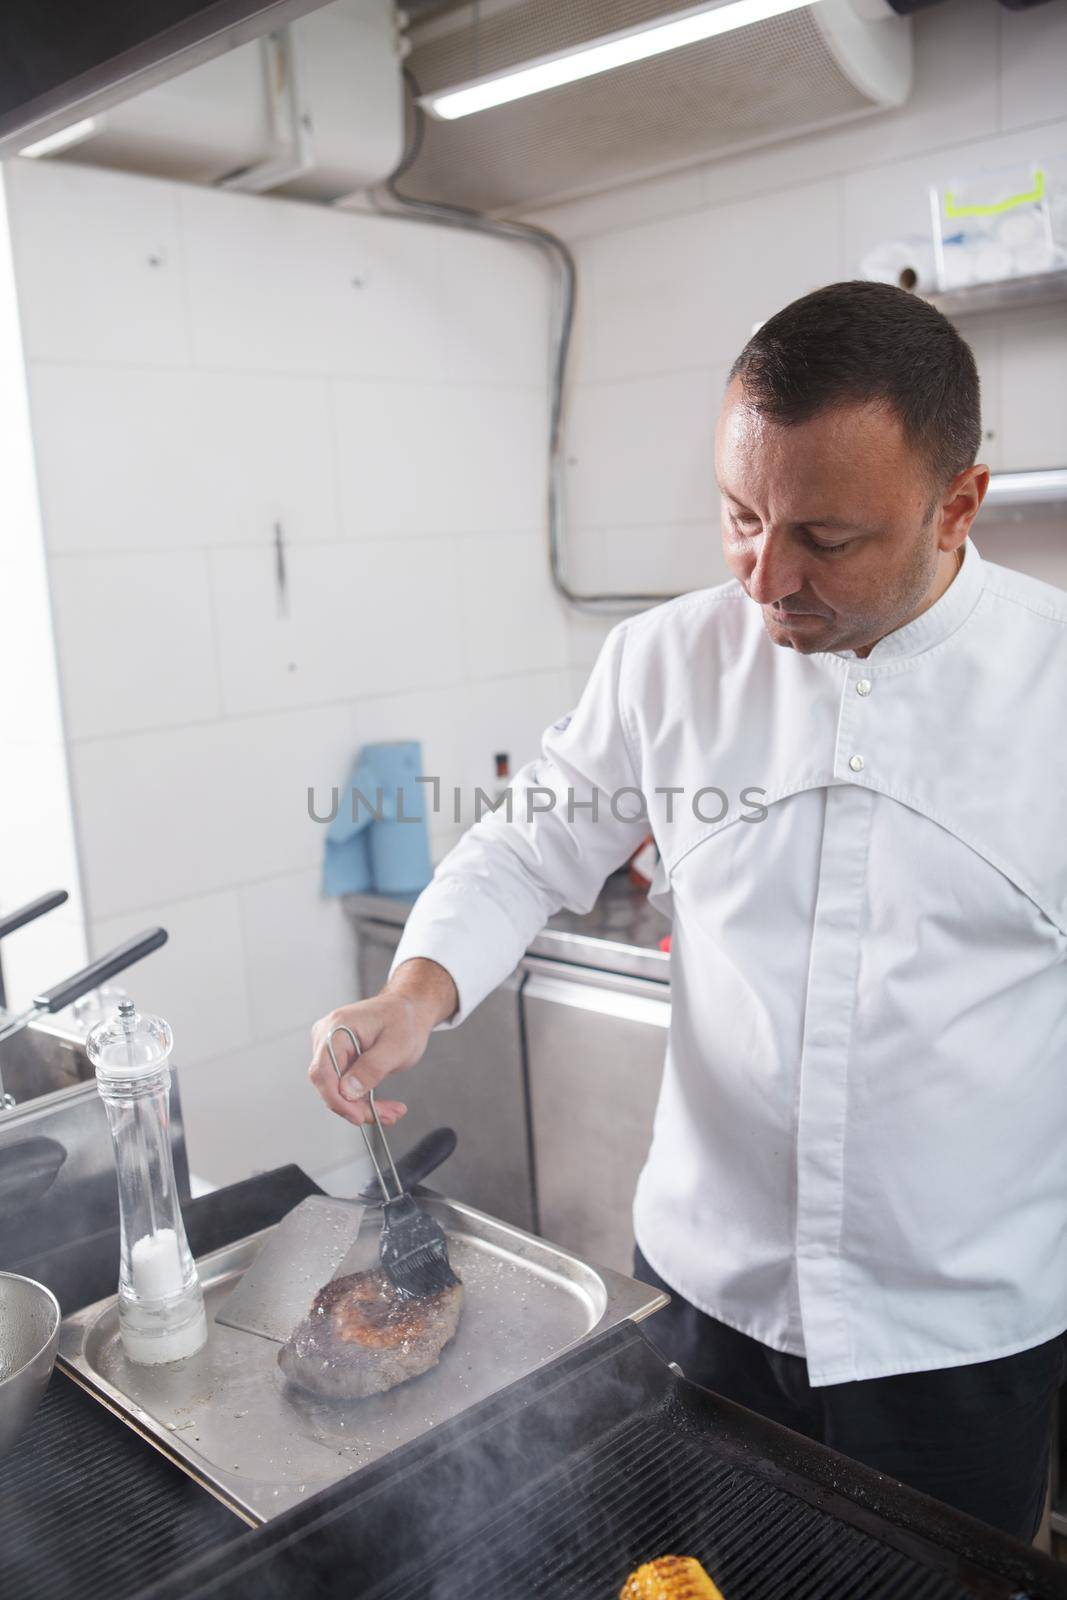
x,y
562,1484
648,1490
89,1509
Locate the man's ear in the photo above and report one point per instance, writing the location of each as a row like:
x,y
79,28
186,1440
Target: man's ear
x,y
960,505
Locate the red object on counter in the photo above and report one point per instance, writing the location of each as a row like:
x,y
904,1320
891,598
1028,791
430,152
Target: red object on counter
x,y
665,944
642,864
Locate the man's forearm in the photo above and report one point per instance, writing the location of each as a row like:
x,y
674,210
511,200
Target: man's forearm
x,y
428,987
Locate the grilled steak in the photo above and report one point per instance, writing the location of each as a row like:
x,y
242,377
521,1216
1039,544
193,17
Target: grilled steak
x,y
362,1337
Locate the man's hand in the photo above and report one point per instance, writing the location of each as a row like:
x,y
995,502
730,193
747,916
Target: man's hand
x,y
393,1029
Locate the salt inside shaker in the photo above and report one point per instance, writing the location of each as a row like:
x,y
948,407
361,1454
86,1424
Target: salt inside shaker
x,y
161,1305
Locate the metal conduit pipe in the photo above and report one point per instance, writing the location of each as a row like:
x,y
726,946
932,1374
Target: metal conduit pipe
x,y
566,275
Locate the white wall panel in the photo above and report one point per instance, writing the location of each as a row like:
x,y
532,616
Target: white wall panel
x,y
99,263
357,619
512,619
135,641
641,451
494,300
1034,396
415,459
283,286
136,459
190,810
685,292
252,1109
198,980
1033,65
301,953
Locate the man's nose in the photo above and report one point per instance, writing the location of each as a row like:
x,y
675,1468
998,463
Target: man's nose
x,y
775,573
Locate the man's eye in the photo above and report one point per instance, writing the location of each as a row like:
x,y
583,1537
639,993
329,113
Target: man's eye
x,y
830,549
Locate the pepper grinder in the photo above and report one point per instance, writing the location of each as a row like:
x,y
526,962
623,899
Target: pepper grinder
x,y
161,1305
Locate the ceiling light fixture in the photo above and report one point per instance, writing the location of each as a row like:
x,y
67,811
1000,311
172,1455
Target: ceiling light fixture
x,y
604,54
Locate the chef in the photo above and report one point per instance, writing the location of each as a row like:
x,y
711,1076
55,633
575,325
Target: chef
x,y
853,760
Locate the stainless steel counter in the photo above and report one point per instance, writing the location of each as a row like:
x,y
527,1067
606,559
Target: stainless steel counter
x,y
620,934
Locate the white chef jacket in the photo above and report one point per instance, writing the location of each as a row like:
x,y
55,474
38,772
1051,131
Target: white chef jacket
x,y
860,1148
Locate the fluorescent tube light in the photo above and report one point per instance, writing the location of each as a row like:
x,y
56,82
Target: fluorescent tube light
x,y
66,136
603,55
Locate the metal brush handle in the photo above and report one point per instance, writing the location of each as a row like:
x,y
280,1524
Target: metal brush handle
x,y
367,1140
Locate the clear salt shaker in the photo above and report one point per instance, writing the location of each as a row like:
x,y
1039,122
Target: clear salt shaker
x,y
161,1305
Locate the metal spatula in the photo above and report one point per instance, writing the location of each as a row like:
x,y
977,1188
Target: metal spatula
x,y
412,1248
309,1248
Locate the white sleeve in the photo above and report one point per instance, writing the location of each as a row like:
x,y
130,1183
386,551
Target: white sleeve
x,y
494,892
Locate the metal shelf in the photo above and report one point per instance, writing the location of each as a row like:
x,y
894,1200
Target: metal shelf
x,y
1026,496
1040,289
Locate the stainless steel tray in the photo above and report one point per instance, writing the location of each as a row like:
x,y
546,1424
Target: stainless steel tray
x,y
229,1419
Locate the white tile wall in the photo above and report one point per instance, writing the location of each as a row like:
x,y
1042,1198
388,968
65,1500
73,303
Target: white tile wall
x,y
676,271
1033,55
378,389
98,258
358,619
132,458
198,980
510,714
188,810
685,292
487,309
283,286
252,1109
300,951
418,459
512,620
135,640
640,451
647,560
1034,392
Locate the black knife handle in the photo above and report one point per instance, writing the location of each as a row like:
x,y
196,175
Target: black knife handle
x,y
30,913
431,1152
100,970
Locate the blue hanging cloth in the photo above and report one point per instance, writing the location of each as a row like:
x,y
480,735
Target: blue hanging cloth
x,y
379,838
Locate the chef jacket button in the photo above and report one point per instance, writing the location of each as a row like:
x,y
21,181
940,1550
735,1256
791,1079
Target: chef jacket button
x,y
856,763
863,686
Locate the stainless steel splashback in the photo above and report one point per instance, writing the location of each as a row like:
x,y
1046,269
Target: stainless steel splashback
x,y
57,1172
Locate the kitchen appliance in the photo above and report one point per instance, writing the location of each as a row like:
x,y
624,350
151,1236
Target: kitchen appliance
x,y
71,989
29,1336
309,1247
562,1484
227,1416
555,1485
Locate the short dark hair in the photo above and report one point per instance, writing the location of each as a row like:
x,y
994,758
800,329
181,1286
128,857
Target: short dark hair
x,y
869,342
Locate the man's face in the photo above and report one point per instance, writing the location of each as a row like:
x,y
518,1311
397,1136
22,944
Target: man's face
x,y
832,526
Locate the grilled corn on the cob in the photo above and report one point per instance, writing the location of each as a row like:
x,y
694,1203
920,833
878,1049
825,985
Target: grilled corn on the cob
x,y
670,1578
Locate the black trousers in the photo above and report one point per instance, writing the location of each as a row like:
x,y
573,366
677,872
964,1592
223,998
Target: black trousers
x,y
976,1437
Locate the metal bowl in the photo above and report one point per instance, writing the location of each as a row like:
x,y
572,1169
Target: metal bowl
x,y
29,1335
